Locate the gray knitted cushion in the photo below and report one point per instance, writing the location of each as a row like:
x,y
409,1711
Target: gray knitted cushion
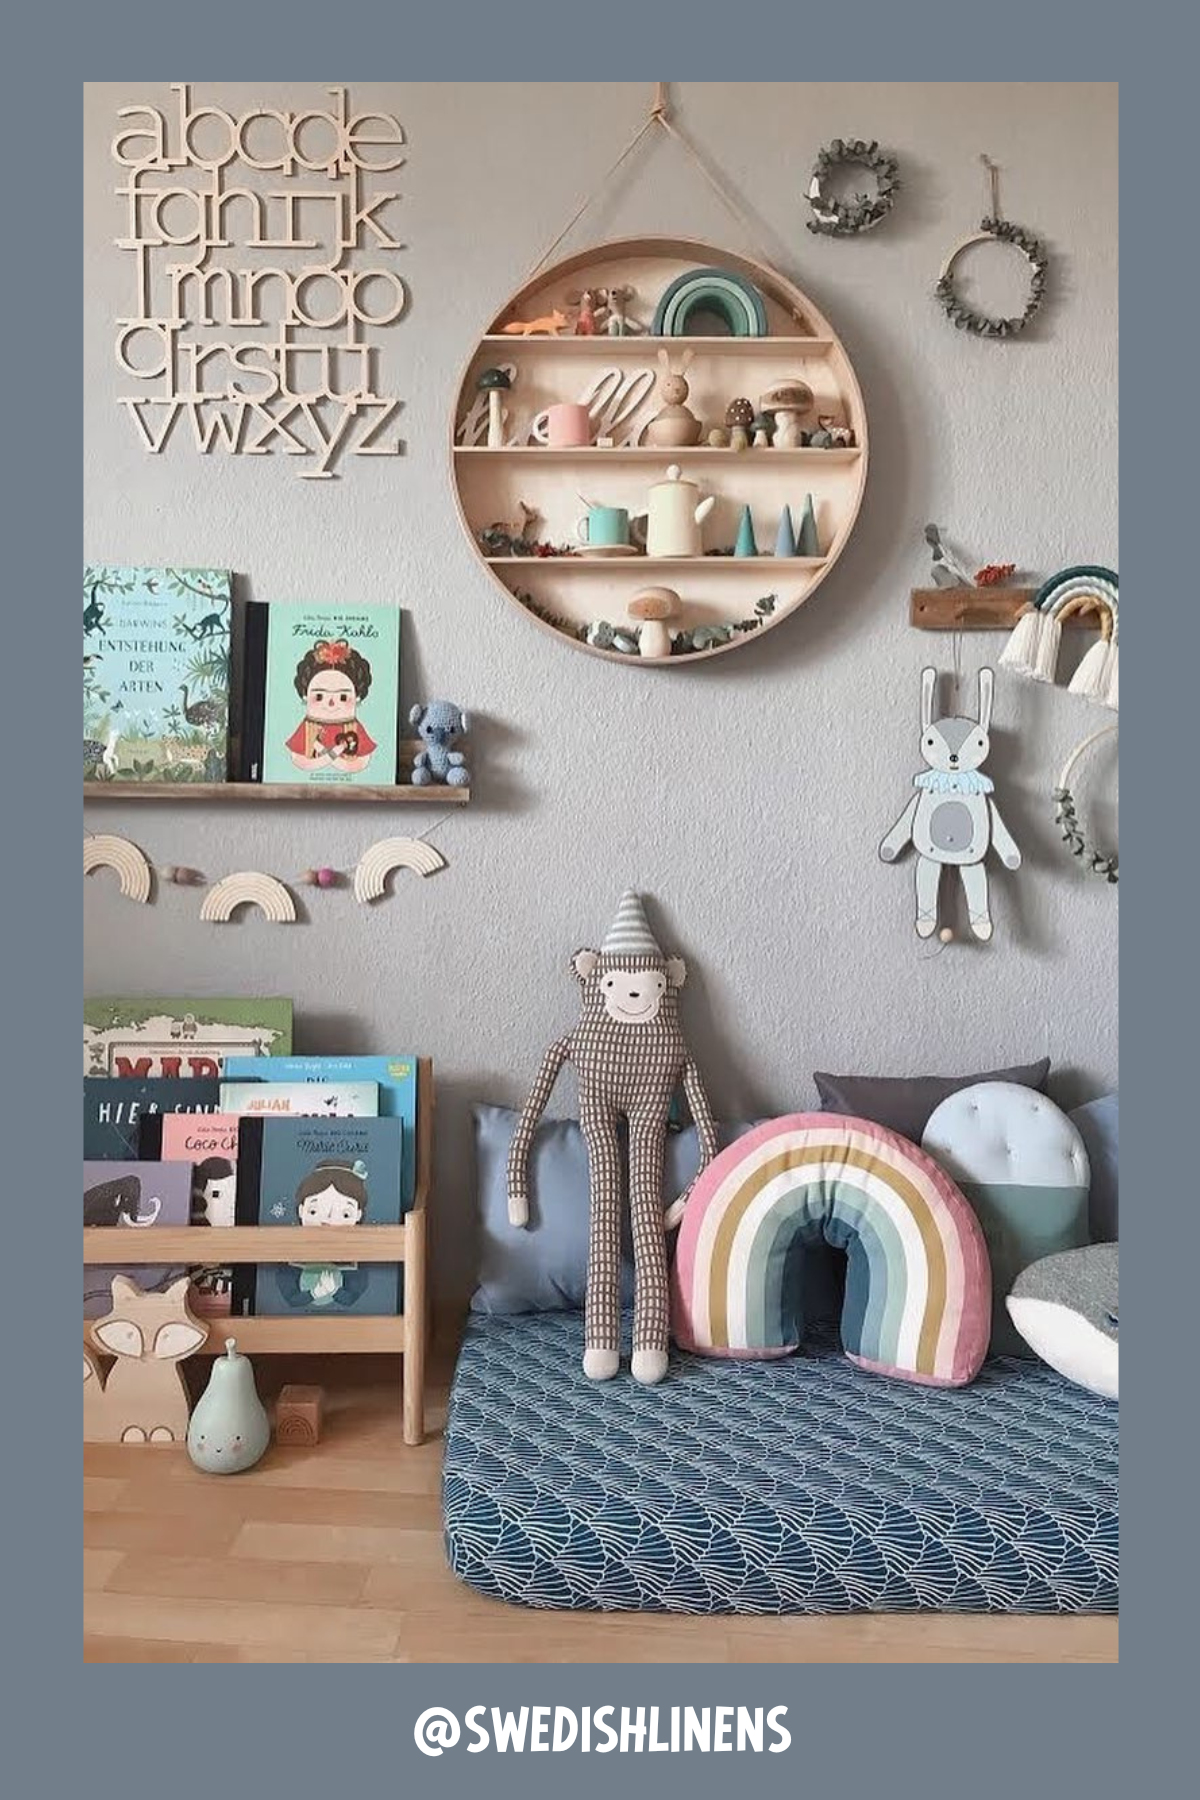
x,y
1065,1307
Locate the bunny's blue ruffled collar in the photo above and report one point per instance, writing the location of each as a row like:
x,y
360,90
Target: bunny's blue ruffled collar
x,y
964,781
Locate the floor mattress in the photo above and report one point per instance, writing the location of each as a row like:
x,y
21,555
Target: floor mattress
x,y
795,1486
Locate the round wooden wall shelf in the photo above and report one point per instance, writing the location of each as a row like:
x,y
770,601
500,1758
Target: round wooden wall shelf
x,y
721,593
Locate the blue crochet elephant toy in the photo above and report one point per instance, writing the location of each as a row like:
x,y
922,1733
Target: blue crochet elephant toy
x,y
439,725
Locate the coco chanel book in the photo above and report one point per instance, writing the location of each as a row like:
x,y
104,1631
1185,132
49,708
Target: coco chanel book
x,y
332,713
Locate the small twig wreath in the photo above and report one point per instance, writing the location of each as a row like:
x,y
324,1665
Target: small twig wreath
x,y
1065,814
842,218
964,316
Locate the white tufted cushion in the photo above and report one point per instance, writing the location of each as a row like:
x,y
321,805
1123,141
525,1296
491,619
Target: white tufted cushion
x,y
1023,1166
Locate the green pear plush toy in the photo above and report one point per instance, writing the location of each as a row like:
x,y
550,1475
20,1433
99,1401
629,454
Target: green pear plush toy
x,y
229,1429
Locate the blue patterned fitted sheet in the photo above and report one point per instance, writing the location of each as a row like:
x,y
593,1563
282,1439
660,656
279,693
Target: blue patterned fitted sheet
x,y
798,1486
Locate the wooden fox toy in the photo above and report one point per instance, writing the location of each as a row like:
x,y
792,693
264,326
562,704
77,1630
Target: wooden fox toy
x,y
144,1400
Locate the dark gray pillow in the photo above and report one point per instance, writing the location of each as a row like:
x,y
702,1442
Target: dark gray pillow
x,y
543,1267
904,1103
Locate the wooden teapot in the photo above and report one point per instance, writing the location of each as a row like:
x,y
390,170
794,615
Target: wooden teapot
x,y
674,516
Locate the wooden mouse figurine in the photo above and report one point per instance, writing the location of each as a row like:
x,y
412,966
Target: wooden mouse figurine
x,y
675,426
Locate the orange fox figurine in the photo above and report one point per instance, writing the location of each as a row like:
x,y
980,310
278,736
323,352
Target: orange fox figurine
x,y
551,323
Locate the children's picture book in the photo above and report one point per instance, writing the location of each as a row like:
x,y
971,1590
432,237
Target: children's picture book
x,y
139,1195
153,1038
308,1099
333,694
156,674
208,1143
319,1172
114,1111
395,1076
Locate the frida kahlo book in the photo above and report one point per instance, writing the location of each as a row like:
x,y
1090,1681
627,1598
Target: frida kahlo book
x,y
138,1195
156,682
151,1038
319,1172
332,710
114,1111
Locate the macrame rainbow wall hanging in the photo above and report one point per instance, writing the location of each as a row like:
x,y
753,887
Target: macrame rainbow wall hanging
x,y
1034,645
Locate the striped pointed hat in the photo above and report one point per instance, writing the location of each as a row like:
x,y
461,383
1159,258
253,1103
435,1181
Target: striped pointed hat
x,y
629,934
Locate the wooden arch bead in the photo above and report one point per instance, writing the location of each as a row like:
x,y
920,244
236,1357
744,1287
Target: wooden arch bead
x,y
133,870
248,888
377,863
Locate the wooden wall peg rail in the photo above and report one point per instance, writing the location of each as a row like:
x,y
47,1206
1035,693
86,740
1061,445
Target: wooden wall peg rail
x,y
975,609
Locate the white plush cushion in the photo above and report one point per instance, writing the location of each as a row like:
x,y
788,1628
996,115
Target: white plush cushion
x,y
1023,1166
999,1132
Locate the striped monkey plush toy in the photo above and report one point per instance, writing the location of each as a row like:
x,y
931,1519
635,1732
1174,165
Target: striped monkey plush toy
x,y
629,1055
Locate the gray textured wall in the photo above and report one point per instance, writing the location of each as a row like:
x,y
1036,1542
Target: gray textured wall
x,y
746,796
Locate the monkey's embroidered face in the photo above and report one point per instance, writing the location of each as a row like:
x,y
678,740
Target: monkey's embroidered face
x,y
630,995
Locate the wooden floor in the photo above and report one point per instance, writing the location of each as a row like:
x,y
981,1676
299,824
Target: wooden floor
x,y
335,1555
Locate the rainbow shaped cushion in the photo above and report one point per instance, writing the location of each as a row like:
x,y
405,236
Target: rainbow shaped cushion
x,y
918,1282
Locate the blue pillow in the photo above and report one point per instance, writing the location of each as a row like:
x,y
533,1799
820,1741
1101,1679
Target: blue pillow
x,y
1097,1125
542,1267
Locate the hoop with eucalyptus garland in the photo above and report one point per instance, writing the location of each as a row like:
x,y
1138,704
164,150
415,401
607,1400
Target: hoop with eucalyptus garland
x,y
1095,861
998,230
843,218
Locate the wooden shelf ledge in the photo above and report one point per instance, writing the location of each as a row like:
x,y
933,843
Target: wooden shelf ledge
x,y
645,345
279,1334
311,793
634,563
200,1246
659,454
251,791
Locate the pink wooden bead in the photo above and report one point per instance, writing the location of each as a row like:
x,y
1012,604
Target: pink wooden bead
x,y
326,877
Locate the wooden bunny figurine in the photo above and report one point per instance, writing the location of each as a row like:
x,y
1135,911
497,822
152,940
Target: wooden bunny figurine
x,y
144,1400
675,426
951,820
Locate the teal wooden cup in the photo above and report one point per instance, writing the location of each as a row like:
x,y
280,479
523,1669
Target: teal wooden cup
x,y
604,527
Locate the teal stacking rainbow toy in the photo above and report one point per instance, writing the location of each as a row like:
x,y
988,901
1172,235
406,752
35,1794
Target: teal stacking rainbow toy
x,y
918,1281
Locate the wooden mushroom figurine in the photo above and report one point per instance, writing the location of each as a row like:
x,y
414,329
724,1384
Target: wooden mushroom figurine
x,y
788,402
739,416
651,608
494,383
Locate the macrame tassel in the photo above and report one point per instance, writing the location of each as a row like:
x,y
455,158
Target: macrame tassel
x,y
1092,677
1111,697
1020,652
1045,661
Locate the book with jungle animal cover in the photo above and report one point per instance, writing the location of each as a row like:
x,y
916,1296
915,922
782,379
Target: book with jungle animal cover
x,y
332,712
156,674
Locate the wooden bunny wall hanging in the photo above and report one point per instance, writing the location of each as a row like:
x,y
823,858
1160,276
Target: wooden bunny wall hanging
x,y
952,820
